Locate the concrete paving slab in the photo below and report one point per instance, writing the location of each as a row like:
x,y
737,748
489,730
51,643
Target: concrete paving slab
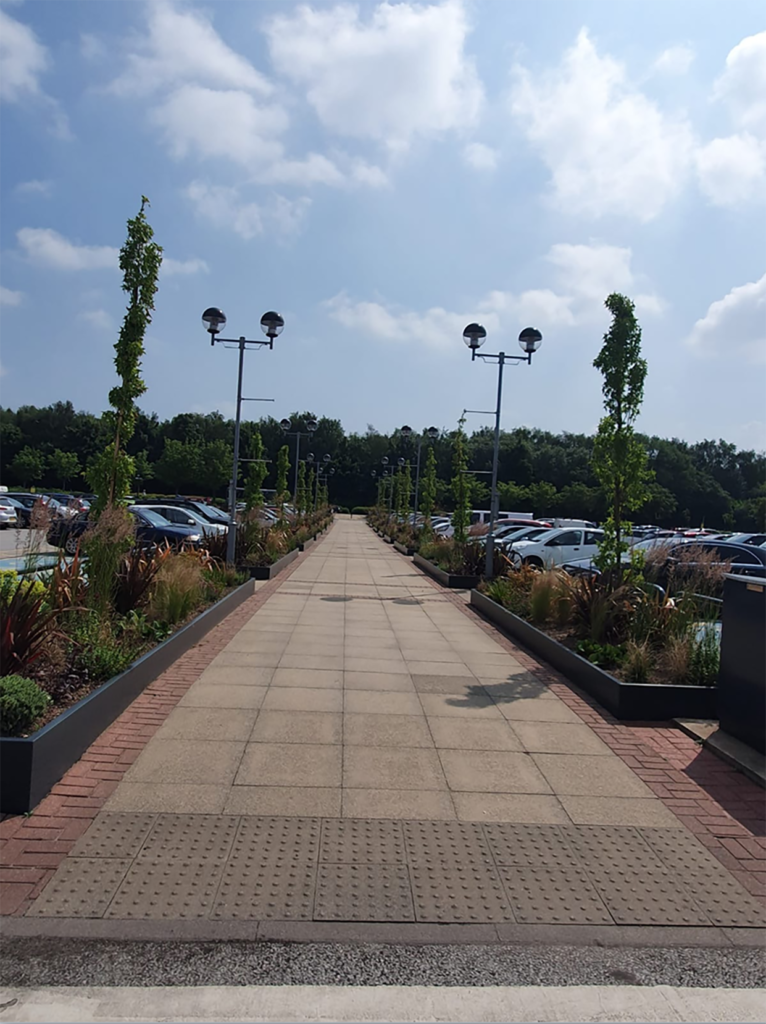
x,y
398,804
244,674
188,762
492,771
290,764
435,682
370,663
303,698
375,730
449,733
223,695
603,810
381,702
533,709
177,798
559,738
296,801
378,681
586,775
208,723
312,661
297,727
308,678
474,705
392,768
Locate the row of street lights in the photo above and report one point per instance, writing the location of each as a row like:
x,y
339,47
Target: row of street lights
x,y
272,325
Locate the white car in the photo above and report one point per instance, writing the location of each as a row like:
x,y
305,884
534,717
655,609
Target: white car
x,y
180,516
507,535
8,515
554,547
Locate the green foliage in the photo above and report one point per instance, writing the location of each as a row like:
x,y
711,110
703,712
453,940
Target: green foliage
x,y
25,629
513,590
140,260
185,463
283,469
179,590
705,658
136,575
311,491
99,649
638,662
256,473
9,584
428,488
619,457
460,486
603,655
64,465
28,466
106,545
301,496
22,702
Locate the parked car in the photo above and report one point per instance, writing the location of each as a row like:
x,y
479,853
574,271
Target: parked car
x,y
510,537
8,516
208,512
756,539
23,512
554,547
151,529
740,559
183,516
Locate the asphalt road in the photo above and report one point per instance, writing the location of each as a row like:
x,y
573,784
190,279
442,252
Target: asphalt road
x,y
77,962
16,543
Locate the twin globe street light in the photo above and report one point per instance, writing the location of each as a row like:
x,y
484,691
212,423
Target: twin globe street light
x,y
530,341
272,325
310,425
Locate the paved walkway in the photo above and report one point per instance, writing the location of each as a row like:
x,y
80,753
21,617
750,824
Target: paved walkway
x,y
363,749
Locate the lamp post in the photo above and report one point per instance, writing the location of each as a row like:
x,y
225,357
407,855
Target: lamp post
x,y
310,426
272,325
530,341
432,433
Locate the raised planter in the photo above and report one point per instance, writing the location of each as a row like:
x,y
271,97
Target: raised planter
x,y
31,766
649,702
447,579
405,550
742,675
307,543
387,539
268,572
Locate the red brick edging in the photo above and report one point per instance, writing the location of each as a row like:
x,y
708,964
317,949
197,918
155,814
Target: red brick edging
x,y
33,846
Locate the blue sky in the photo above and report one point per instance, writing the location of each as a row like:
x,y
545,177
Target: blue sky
x,y
382,174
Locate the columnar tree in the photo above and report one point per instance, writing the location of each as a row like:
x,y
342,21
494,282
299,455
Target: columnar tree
x,y
301,495
64,465
428,489
311,490
460,485
619,457
111,473
256,473
283,469
405,491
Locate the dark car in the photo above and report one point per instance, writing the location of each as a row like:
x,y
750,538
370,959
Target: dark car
x,y
23,512
151,529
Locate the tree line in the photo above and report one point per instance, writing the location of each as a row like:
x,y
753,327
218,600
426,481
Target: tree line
x,y
710,482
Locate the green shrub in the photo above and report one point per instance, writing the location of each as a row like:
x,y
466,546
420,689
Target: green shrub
x,y
637,663
22,702
179,589
705,657
101,647
603,655
9,584
360,510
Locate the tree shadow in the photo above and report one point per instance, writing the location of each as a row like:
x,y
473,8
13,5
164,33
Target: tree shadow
x,y
519,687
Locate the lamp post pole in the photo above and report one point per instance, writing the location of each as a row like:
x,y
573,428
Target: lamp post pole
x,y
311,426
530,340
272,325
432,433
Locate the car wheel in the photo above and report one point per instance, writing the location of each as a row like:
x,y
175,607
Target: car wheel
x,y
514,558
534,561
71,544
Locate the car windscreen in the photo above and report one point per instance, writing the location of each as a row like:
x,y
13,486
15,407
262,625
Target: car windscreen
x,y
210,512
151,517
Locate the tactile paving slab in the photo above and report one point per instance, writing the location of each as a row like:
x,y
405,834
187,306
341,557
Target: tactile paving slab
x,y
605,846
82,887
192,836
265,840
363,892
362,841
447,893
447,842
170,887
529,844
553,895
713,889
114,835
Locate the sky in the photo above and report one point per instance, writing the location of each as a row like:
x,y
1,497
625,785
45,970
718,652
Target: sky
x,y
382,174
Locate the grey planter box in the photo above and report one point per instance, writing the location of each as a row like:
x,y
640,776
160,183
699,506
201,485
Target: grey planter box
x,y
268,572
628,701
447,579
404,549
307,544
31,766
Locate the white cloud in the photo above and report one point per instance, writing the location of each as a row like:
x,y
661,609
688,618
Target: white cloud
x,y
224,207
402,73
586,275
610,149
732,171
173,268
183,46
23,59
676,60
47,248
742,86
312,170
91,47
99,319
34,187
734,324
221,124
480,157
8,297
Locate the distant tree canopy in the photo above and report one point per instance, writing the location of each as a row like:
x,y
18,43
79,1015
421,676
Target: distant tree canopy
x,y
710,483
